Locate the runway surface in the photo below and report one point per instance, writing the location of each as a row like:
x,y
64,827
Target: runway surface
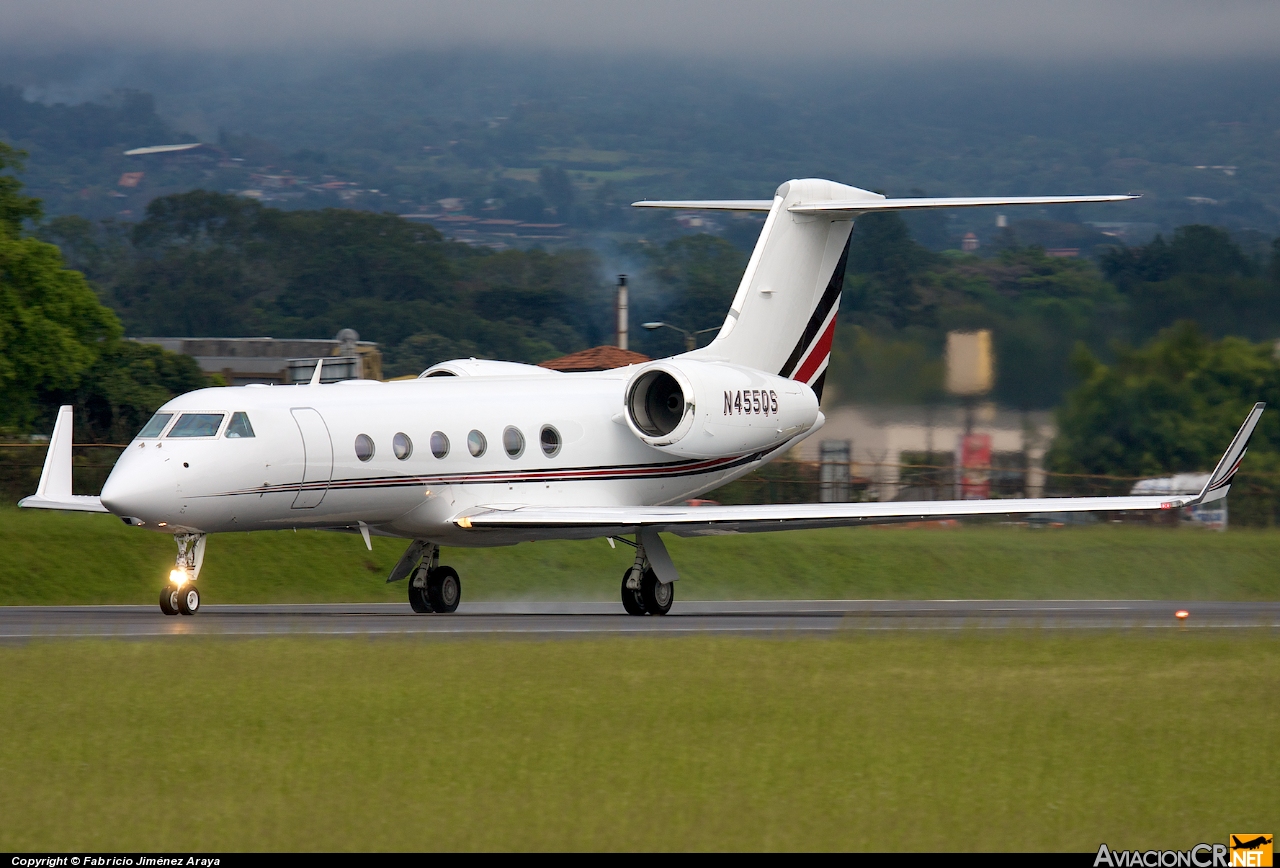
x,y
755,617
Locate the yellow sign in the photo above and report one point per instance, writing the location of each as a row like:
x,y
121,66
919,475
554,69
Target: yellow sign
x,y
1251,851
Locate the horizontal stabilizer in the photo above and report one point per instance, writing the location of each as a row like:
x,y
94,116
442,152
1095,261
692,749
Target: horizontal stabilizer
x,y
708,204
860,206
874,203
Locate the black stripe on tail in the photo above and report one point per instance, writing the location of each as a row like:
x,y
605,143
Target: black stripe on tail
x,y
832,294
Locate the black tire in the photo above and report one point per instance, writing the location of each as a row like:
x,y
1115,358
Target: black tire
x,y
444,589
418,597
169,599
631,599
657,597
188,600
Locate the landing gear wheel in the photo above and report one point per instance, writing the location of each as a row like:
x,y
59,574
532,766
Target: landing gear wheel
x,y
418,596
444,589
169,600
188,600
657,596
631,599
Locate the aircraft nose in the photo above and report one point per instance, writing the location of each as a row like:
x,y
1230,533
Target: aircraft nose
x,y
130,493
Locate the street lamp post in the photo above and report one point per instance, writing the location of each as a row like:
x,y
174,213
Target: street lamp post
x,y
690,338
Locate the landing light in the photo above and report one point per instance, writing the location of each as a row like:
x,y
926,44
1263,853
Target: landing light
x,y
464,522
178,577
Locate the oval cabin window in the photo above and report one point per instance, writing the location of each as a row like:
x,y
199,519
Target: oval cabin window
x,y
513,441
550,441
364,447
439,444
476,444
402,446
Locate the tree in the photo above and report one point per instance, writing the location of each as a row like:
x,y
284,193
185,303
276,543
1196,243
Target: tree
x,y
52,327
1168,407
59,344
1200,275
14,207
688,282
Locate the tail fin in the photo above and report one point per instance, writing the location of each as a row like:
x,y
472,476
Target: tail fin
x,y
783,317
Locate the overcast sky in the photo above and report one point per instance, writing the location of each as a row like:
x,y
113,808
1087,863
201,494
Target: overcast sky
x,y
779,29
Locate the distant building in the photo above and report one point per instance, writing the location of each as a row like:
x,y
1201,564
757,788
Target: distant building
x,y
969,242
595,359
242,361
878,440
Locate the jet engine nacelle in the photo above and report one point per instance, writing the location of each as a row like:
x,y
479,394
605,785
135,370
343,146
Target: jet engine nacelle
x,y
698,409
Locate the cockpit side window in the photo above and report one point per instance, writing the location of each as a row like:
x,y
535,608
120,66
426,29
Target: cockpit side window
x,y
239,426
156,425
196,425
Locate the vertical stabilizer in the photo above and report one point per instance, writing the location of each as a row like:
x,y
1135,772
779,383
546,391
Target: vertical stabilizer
x,y
783,317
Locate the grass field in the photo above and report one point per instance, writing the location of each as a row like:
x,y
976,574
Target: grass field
x,y
1012,741
48,558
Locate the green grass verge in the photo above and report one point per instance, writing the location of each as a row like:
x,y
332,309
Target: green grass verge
x,y
1016,741
61,558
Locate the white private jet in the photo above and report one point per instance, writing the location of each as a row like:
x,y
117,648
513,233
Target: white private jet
x,y
486,453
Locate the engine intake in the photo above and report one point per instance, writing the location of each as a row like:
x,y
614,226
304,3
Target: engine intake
x,y
698,409
657,403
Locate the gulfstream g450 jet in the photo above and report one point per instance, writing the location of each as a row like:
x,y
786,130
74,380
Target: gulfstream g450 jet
x,y
483,453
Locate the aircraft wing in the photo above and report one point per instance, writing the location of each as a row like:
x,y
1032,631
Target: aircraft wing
x,y
568,522
561,522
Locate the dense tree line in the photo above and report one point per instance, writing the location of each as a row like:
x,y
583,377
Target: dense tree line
x,y
901,299
1169,406
59,344
208,264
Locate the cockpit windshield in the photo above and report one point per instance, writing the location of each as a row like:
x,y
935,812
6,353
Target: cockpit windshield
x,y
239,426
156,425
196,425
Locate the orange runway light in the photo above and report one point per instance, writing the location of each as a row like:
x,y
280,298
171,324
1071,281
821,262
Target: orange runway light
x,y
1181,614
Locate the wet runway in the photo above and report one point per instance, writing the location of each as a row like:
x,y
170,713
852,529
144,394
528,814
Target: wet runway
x,y
755,617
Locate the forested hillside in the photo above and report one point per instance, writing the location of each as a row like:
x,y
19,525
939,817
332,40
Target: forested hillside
x,y
901,299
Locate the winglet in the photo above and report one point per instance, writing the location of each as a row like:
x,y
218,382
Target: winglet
x,y
1220,480
315,375
54,490
55,478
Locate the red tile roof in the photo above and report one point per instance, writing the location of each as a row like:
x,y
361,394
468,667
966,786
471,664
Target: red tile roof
x,y
595,359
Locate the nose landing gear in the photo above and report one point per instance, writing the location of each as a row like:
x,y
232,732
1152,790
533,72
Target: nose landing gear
x,y
180,595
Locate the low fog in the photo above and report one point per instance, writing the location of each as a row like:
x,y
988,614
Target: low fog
x,y
748,29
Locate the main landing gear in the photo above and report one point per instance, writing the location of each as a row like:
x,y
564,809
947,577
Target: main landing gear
x,y
432,588
180,595
642,592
